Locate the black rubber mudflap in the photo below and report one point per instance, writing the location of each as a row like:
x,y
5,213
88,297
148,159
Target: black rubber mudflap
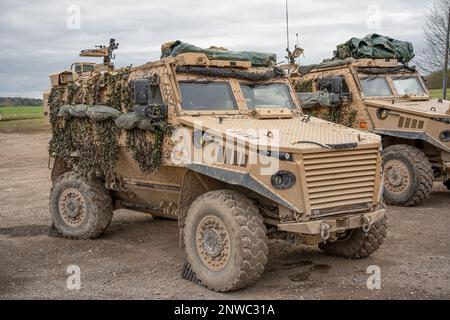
x,y
53,232
188,274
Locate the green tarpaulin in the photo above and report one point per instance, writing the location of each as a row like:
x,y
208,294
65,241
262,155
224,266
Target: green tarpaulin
x,y
258,59
376,46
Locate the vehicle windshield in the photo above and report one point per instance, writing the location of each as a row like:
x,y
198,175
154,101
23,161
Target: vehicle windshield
x,y
376,87
270,95
408,85
207,96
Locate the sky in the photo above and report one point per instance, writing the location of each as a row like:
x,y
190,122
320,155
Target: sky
x,y
41,37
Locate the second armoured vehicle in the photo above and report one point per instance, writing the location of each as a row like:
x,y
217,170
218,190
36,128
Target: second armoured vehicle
x,y
218,141
387,97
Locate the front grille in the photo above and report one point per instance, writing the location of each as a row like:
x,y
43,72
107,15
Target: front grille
x,y
341,178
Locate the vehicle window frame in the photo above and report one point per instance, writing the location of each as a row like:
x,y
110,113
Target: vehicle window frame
x,y
388,82
209,111
295,103
424,89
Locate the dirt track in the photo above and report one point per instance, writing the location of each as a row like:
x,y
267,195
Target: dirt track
x,y
138,257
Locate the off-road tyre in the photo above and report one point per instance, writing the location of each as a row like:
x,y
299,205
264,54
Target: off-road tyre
x,y
238,258
80,208
417,171
358,244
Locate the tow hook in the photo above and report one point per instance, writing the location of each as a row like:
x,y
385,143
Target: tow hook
x,y
366,223
324,232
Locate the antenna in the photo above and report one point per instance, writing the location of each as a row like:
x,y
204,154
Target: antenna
x,y
287,25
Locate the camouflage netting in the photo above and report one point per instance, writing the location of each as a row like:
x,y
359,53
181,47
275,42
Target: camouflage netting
x,y
345,116
83,117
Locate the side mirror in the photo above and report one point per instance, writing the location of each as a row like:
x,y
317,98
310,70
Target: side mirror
x,y
148,99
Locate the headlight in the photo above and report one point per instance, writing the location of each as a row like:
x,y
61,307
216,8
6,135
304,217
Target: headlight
x,y
382,113
283,180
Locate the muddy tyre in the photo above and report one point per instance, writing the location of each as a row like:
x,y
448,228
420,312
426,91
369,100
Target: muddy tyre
x,y
357,244
408,176
225,241
80,209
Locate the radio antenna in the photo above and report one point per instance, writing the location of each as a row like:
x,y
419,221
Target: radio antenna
x,y
287,25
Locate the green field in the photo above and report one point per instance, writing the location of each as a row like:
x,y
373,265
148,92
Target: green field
x,y
437,93
22,125
22,118
20,113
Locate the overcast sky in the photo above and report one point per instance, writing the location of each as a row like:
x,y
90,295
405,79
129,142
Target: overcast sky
x,y
41,37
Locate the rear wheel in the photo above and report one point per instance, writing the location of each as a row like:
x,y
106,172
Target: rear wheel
x,y
357,244
408,176
225,241
80,209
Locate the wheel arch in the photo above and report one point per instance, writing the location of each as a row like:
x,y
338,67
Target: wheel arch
x,y
60,166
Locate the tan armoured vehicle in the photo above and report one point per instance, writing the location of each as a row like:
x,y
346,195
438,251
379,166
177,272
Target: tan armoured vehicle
x,y
218,141
391,99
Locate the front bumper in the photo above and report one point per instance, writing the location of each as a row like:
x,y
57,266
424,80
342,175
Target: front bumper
x,y
336,224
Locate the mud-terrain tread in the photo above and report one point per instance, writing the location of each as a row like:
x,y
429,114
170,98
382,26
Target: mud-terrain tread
x,y
424,174
360,244
253,233
102,201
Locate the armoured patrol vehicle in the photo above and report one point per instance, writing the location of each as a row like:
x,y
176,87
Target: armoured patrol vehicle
x,y
387,97
217,140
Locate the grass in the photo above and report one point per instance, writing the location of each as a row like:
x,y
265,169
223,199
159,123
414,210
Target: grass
x,y
437,93
21,119
23,125
20,113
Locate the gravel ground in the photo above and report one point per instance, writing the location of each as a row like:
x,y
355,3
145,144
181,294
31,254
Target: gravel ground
x,y
139,258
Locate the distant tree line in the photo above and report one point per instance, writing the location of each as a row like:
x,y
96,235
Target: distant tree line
x,y
14,102
434,80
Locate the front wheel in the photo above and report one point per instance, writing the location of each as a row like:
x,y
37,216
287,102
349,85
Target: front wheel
x,y
80,208
225,241
408,176
357,244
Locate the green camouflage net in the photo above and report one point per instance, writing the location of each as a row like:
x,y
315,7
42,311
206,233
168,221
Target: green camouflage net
x,y
146,147
90,146
346,118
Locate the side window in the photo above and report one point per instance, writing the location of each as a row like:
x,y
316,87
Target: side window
x,y
336,85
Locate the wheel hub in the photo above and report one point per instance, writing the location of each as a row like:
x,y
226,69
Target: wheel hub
x,y
397,176
72,207
213,243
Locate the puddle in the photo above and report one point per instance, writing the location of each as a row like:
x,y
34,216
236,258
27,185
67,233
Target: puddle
x,y
298,263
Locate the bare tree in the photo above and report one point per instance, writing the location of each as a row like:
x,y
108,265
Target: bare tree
x,y
437,40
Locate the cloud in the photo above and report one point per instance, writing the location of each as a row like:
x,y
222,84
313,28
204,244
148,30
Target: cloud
x,y
35,40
